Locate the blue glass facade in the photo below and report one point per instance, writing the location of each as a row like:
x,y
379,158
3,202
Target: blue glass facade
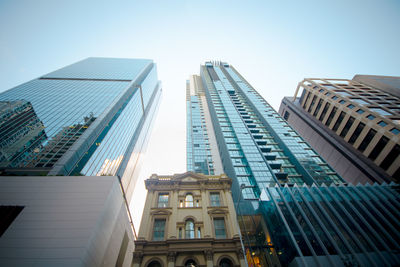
x,y
256,146
293,208
91,115
333,225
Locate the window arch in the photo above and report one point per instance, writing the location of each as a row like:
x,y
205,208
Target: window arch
x,y
189,201
154,263
189,229
190,263
225,262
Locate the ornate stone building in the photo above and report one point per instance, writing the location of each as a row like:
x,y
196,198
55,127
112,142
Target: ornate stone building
x,y
188,220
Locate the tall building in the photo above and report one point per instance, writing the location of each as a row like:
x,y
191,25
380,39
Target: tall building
x,y
89,118
354,124
70,149
231,129
189,220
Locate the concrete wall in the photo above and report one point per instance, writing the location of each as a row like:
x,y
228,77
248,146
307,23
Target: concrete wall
x,y
66,221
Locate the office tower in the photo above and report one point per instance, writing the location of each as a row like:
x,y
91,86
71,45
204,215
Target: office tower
x,y
231,125
189,220
354,124
89,118
70,150
232,129
280,184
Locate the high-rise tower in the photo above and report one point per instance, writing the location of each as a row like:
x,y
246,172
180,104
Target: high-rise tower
x,y
293,208
232,129
70,148
353,124
90,118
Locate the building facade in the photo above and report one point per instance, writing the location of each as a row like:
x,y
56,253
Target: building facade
x,y
231,129
89,118
188,220
333,225
353,124
70,150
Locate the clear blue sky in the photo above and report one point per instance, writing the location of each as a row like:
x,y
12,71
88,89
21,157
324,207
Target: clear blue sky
x,y
274,44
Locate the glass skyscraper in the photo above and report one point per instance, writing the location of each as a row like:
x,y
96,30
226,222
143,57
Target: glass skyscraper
x,y
231,129
230,124
89,118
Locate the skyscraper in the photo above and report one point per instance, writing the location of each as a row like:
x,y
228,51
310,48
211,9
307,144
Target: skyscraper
x,y
89,118
70,149
232,129
353,124
293,208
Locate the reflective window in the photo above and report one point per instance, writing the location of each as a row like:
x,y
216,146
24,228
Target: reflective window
x,y
163,200
219,227
189,229
215,199
158,229
189,201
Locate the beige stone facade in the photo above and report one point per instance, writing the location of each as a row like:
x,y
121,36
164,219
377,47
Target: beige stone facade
x,y
188,220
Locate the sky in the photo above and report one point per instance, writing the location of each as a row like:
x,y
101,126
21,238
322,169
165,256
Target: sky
x,y
273,44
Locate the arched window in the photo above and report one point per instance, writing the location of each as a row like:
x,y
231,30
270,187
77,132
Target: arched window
x,y
189,229
190,263
189,201
225,263
154,264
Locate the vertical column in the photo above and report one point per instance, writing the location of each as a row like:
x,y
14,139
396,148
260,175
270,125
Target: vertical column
x,y
173,202
206,217
171,259
209,258
144,225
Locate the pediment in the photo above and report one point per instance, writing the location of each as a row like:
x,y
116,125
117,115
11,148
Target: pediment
x,y
160,212
190,177
217,211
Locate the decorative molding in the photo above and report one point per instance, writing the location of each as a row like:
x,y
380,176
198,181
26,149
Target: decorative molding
x,y
171,256
137,257
209,255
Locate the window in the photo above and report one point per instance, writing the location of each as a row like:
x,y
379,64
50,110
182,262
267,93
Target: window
x,y
334,97
338,121
159,227
333,112
189,201
371,117
382,123
312,103
7,216
356,133
163,200
395,131
360,111
219,227
378,148
351,106
154,264
189,229
286,115
342,102
215,199
198,232
318,107
180,233
347,127
391,157
225,263
367,140
327,105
